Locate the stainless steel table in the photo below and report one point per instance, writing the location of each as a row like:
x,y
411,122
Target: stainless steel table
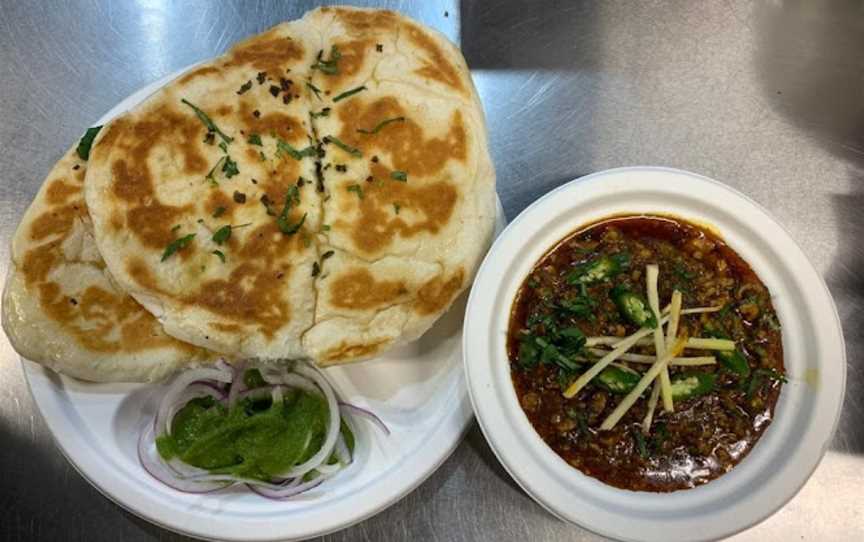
x,y
767,97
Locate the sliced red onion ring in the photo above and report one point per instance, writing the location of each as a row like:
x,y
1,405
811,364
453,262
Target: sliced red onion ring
x,y
332,429
176,388
343,454
149,458
363,413
238,384
288,491
256,393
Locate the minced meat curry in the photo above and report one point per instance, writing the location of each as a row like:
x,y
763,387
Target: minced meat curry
x,y
724,366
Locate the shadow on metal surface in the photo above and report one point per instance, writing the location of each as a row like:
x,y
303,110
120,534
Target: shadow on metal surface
x,y
812,70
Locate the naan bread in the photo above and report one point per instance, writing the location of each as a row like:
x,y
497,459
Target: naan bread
x,y
395,220
413,211
148,186
61,307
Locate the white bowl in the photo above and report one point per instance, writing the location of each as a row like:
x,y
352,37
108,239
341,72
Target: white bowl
x,y
814,355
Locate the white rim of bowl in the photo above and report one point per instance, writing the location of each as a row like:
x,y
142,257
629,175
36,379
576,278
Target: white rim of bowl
x,y
773,472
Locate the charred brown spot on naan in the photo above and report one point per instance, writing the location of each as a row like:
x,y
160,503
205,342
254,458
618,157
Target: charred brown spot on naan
x,y
360,21
57,221
425,208
200,72
267,244
152,223
225,328
357,289
346,351
141,274
146,217
59,191
39,261
351,62
404,142
270,52
250,294
284,126
437,66
219,200
438,293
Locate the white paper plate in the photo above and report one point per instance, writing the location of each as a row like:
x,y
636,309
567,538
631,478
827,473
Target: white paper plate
x,y
417,390
806,414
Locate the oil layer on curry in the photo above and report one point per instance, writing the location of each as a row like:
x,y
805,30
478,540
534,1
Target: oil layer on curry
x,y
646,353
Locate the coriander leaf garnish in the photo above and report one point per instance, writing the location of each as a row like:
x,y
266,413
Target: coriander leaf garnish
x,y
263,157
381,125
175,228
292,198
353,151
288,228
316,269
396,208
211,126
222,235
283,147
323,113
220,254
327,254
399,176
224,147
348,93
86,142
314,89
219,211
255,139
210,177
230,167
356,188
329,67
325,227
177,244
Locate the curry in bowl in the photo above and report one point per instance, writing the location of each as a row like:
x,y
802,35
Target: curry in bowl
x,y
646,353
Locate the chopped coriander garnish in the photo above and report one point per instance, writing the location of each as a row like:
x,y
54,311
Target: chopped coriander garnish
x,y
288,228
254,139
357,189
325,227
209,176
86,142
223,146
399,176
316,269
323,113
211,126
381,125
283,147
220,254
177,244
222,234
329,67
353,151
261,154
314,89
396,208
349,93
327,254
230,167
175,228
292,198
219,211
